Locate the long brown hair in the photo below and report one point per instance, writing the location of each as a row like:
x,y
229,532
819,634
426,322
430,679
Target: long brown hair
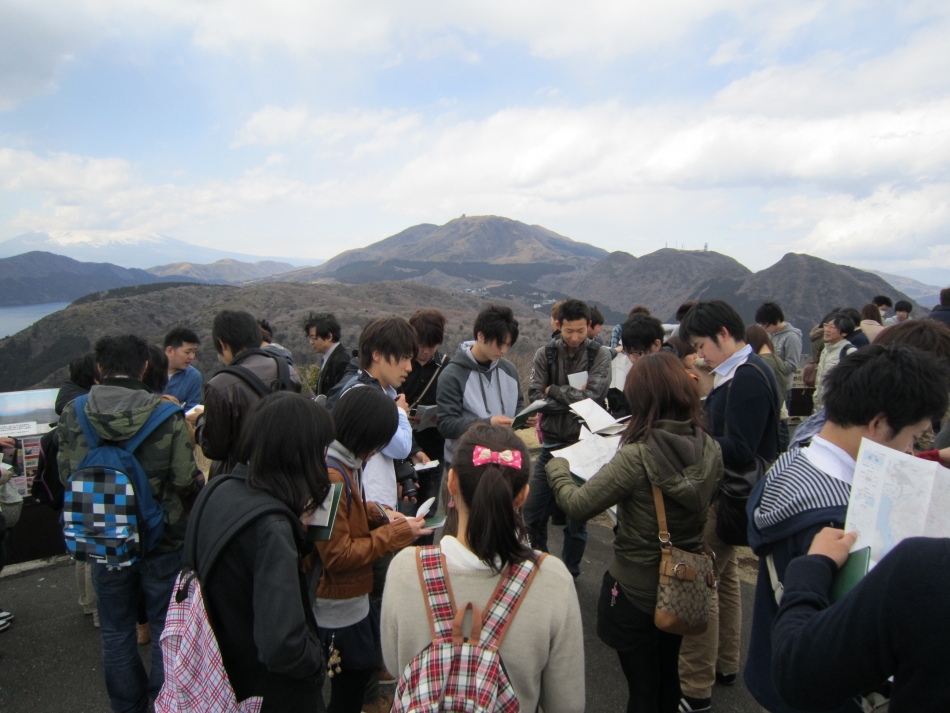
x,y
658,388
757,338
872,312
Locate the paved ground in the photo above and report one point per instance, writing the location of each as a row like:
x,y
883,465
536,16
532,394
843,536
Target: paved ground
x,y
51,657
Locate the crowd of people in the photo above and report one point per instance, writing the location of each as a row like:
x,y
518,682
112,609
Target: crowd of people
x,y
462,604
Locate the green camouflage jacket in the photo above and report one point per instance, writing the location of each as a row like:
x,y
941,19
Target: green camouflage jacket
x,y
117,410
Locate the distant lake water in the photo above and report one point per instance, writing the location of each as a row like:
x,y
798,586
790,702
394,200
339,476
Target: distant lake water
x,y
13,319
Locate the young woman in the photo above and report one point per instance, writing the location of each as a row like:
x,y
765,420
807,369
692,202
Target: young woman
x,y
364,533
543,651
664,445
872,323
761,343
254,591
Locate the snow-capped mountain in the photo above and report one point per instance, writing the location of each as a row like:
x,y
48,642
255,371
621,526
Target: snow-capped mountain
x,y
128,249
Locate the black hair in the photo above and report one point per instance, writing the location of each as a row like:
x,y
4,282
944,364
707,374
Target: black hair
x,y
495,529
573,310
179,336
83,371
929,335
123,355
366,420
392,337
945,297
903,306
640,332
769,313
707,319
684,308
237,329
904,383
429,325
883,301
326,325
156,373
843,322
596,316
267,332
284,442
496,323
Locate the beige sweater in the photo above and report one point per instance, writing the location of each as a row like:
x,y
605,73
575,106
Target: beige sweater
x,y
543,651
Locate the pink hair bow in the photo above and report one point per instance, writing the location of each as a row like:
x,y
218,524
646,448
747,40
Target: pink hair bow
x,y
484,456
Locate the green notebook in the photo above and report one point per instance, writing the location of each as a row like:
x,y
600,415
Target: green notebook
x,y
853,571
320,523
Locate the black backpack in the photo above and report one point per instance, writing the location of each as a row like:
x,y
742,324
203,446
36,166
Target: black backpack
x,y
47,488
281,383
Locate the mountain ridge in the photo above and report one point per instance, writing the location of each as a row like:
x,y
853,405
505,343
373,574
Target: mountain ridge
x,y
228,270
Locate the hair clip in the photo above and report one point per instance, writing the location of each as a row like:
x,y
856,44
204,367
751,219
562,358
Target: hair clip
x,y
484,456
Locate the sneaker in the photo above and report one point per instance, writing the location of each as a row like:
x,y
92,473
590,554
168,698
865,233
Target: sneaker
x,y
5,615
143,633
692,705
725,679
4,624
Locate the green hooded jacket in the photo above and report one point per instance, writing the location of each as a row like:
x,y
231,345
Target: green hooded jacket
x,y
117,410
684,462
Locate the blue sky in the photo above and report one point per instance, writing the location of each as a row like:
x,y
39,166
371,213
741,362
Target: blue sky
x,y
307,128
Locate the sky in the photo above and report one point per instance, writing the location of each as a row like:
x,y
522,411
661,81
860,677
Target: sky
x,y
305,128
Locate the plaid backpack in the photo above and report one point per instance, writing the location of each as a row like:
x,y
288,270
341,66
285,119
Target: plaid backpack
x,y
455,673
109,514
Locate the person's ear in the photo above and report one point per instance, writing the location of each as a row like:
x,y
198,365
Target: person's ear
x,y
880,429
169,351
453,483
144,369
657,345
522,497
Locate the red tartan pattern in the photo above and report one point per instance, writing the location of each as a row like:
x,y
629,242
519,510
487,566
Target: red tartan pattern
x,y
195,679
469,677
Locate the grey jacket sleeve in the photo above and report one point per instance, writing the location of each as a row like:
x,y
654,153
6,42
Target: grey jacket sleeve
x,y
285,643
792,354
598,383
451,419
538,381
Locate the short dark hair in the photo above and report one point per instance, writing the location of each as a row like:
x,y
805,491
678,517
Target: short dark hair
x,y
366,420
284,441
596,316
708,318
430,326
496,323
326,324
156,373
639,309
267,332
181,335
882,301
903,306
945,297
640,332
573,310
123,355
769,313
684,308
844,323
928,335
83,371
495,529
237,329
392,337
872,312
905,384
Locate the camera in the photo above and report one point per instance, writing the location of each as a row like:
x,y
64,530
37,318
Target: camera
x,y
406,477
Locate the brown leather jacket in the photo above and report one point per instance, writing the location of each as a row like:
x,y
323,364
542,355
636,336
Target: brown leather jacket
x,y
227,401
360,537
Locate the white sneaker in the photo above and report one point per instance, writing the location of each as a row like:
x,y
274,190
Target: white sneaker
x,y
4,624
5,615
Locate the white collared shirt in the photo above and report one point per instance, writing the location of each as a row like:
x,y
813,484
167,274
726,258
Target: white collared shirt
x,y
725,371
831,460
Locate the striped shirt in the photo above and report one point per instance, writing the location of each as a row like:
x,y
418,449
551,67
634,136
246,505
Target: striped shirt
x,y
794,486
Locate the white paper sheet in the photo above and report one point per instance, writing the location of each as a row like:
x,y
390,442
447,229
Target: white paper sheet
x,y
594,416
619,368
578,380
427,417
590,455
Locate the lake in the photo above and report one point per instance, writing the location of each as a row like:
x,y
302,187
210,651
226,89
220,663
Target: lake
x,y
13,319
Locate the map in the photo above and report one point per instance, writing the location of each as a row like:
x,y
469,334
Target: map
x,y
895,496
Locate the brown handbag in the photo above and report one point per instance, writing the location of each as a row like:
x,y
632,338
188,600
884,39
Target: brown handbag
x,y
687,583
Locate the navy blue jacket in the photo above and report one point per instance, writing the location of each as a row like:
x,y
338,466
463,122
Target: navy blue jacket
x,y
941,314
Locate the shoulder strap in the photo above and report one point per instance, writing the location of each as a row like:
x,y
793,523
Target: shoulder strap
x,y
438,368
440,606
661,515
778,589
250,378
593,349
165,411
506,601
773,404
92,437
346,480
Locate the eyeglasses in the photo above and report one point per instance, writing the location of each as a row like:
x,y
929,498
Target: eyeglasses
x,y
312,337
634,354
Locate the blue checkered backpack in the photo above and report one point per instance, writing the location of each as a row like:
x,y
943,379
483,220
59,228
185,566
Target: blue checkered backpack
x,y
109,514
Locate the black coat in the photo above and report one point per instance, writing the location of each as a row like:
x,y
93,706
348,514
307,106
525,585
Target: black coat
x,y
333,369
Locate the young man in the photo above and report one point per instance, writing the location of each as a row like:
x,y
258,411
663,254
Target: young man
x,y
232,393
570,353
117,410
323,332
885,394
941,312
742,414
184,381
902,311
479,384
642,335
596,325
883,303
786,339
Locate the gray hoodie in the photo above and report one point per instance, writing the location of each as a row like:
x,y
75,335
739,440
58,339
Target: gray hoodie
x,y
469,392
788,347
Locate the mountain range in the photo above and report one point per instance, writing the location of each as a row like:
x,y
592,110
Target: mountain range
x,y
927,295
227,271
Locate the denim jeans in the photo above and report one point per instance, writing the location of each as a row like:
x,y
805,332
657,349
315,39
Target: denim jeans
x,y
118,591
538,508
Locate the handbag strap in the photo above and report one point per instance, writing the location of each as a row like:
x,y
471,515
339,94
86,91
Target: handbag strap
x,y
661,516
772,401
431,381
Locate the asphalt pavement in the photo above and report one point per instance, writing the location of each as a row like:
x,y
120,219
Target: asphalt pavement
x,y
51,657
